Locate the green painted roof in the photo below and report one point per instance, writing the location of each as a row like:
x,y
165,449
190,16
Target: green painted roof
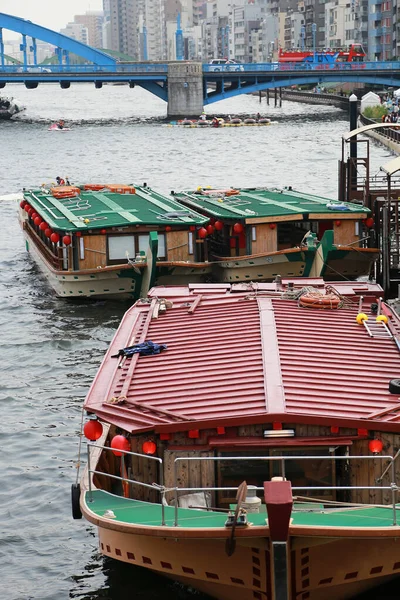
x,y
104,209
253,203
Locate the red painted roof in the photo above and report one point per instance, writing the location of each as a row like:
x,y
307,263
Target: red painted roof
x,y
238,356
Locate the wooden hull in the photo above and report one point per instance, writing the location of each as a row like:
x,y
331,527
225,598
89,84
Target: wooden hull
x,y
182,273
95,283
320,568
264,267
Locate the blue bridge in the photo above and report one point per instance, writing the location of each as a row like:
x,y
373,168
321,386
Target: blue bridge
x,y
186,86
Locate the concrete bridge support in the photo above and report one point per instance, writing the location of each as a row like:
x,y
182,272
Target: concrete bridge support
x,y
185,89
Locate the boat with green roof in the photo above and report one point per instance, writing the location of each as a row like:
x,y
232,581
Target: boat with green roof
x,y
259,233
93,240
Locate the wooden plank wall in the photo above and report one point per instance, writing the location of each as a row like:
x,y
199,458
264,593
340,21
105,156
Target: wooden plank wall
x,y
365,472
190,473
95,252
266,239
344,233
177,246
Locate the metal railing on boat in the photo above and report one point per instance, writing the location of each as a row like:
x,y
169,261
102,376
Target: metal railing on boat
x,y
282,460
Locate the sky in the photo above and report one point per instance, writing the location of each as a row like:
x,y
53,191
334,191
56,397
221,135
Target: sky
x,y
53,14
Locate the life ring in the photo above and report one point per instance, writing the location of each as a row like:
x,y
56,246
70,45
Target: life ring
x,y
65,191
119,188
75,501
316,300
95,187
230,192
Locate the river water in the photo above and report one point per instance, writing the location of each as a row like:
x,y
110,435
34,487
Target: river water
x,y
51,350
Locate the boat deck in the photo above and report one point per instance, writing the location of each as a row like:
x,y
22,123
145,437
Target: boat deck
x,y
148,514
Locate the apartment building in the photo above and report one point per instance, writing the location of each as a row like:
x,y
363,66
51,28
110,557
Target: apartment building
x,y
93,21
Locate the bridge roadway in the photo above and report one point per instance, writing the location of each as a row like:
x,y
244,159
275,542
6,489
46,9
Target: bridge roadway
x,y
185,85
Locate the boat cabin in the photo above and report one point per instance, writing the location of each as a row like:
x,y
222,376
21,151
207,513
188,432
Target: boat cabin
x,y
251,221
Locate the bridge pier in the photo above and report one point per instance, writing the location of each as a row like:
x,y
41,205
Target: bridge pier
x,y
185,89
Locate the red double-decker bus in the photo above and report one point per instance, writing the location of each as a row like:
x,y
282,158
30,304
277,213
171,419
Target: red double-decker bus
x,y
354,53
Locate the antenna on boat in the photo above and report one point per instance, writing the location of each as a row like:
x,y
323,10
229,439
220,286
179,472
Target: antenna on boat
x,y
360,303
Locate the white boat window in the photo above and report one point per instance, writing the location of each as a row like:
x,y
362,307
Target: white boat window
x,y
119,245
143,244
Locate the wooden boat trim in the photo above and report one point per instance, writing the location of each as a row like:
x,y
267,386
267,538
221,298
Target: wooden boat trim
x,y
250,531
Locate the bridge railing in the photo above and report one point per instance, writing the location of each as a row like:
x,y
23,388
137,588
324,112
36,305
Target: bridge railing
x,y
118,68
301,66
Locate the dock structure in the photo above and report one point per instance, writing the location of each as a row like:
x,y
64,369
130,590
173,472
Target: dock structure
x,y
381,194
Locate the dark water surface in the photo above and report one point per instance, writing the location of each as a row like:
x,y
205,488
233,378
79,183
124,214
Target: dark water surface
x,y
51,350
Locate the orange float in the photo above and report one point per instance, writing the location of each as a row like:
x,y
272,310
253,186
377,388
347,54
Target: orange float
x,y
314,300
65,191
119,188
94,187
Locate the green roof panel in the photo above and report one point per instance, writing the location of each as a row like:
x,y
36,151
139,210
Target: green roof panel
x,y
105,209
266,203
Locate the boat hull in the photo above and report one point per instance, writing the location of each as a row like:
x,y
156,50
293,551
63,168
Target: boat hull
x,y
98,283
320,568
264,267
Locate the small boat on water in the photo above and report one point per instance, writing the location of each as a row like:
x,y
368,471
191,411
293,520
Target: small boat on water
x,y
9,108
245,439
235,122
93,240
259,233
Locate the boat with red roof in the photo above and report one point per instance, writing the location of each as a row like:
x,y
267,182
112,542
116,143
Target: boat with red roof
x,y
244,439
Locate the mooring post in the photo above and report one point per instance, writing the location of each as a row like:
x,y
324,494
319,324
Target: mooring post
x,y
280,97
268,96
353,110
276,97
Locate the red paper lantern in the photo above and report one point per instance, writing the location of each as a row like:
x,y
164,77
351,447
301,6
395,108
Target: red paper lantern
x,y
37,220
31,211
212,221
369,222
43,226
238,228
34,215
66,240
210,229
78,234
22,204
192,228
103,231
202,232
93,430
338,223
55,238
375,446
272,225
119,442
219,225
168,228
149,447
48,232
27,207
